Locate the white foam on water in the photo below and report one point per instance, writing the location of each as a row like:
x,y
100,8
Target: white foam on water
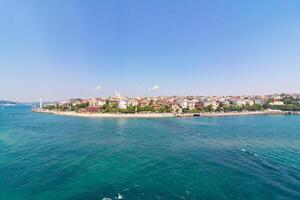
x,y
119,196
254,154
105,198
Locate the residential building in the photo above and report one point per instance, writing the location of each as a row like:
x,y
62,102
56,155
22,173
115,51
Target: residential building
x,y
122,103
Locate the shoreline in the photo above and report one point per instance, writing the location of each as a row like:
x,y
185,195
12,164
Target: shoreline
x,y
162,115
106,115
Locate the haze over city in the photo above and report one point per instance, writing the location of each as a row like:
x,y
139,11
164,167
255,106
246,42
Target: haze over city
x,y
59,50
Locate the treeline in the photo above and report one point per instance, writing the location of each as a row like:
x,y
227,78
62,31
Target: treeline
x,y
226,108
290,104
287,107
134,109
113,108
231,108
109,108
67,107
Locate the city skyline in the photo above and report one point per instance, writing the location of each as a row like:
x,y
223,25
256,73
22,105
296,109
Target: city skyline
x,y
295,95
74,49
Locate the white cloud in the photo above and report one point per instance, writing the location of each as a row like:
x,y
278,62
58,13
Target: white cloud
x,y
155,87
118,94
99,88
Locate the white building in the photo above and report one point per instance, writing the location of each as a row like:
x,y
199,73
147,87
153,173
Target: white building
x,y
122,104
238,102
191,104
97,102
214,104
277,103
184,103
249,102
133,102
259,102
101,102
93,102
227,103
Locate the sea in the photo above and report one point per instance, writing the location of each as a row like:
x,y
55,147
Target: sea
x,y
50,157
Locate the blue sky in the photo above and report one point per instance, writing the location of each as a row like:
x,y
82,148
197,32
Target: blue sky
x,y
66,49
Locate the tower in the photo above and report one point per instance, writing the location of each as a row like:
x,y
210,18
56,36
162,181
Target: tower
x,y
41,103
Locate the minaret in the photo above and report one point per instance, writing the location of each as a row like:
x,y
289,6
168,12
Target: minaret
x,y
41,103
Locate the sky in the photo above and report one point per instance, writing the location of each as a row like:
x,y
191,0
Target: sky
x,y
63,49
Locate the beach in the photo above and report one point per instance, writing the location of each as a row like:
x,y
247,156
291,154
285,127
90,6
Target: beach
x,y
161,115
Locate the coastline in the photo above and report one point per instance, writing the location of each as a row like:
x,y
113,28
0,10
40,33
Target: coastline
x,y
106,115
162,115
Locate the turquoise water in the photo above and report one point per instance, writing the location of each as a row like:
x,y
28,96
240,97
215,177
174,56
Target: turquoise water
x,y
67,158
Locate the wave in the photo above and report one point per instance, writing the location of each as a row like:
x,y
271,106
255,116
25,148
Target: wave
x,y
117,197
248,152
8,104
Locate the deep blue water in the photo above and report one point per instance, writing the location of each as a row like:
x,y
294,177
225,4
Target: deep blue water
x,y
45,157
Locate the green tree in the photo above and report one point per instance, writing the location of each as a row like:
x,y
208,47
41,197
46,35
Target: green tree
x,y
209,108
